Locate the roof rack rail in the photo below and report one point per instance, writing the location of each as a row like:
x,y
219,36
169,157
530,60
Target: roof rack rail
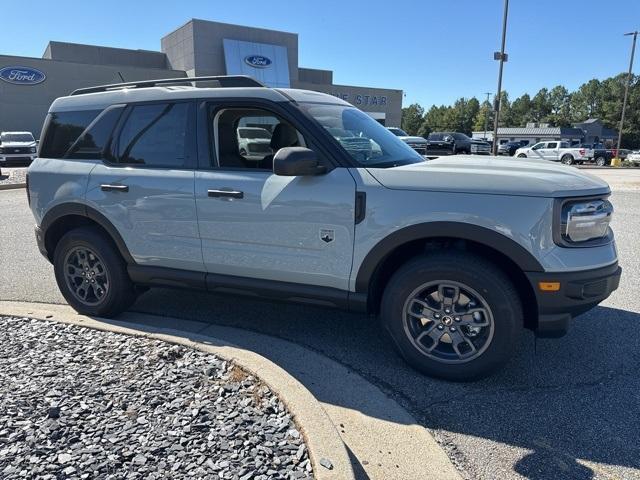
x,y
224,81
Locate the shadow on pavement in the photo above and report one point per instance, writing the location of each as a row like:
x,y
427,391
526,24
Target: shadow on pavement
x,y
558,401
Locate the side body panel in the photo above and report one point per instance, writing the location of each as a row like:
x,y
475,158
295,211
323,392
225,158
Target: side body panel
x,y
54,182
527,221
156,217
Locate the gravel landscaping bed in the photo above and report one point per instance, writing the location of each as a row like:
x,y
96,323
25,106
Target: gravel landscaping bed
x,y
81,403
13,175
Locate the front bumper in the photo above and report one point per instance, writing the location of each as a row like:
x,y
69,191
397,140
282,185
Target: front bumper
x,y
419,147
40,241
16,158
579,292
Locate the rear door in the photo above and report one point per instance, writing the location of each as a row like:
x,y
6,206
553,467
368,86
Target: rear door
x,y
551,151
258,225
146,187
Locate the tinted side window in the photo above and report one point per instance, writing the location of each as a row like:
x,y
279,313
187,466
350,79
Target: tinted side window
x,y
552,145
92,142
158,135
62,130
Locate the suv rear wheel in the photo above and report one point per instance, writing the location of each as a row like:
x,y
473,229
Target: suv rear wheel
x,y
452,315
91,274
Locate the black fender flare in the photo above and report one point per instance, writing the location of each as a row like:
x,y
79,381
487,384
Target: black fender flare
x,y
80,209
463,231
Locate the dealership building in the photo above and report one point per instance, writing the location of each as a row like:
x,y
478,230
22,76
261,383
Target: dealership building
x,y
28,85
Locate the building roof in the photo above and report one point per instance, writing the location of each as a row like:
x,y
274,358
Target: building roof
x,y
537,131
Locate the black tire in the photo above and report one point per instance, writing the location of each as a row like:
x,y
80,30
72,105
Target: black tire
x,y
567,159
119,293
522,155
471,272
601,161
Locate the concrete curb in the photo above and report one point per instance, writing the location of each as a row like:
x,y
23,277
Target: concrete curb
x,y
11,186
321,437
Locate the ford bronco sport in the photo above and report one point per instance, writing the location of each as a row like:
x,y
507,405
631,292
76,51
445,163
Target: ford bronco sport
x,y
143,184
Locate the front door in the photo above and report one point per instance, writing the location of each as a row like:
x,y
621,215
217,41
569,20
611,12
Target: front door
x,y
147,189
259,225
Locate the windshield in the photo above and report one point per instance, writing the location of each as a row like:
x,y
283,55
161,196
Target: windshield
x,y
16,137
365,140
254,133
398,132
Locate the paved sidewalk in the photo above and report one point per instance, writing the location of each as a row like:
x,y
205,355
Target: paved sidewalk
x,y
383,440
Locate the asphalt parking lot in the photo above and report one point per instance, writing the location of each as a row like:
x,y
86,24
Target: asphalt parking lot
x,y
565,408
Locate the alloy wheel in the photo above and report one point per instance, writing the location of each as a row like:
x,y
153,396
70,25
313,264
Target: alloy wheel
x,y
448,321
86,275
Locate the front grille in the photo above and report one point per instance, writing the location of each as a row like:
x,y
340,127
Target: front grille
x,y
14,150
418,147
259,148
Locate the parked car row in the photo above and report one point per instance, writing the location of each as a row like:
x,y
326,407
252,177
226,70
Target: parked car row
x,y
443,143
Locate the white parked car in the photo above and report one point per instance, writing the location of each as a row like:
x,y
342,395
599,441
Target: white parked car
x,y
634,157
17,147
555,151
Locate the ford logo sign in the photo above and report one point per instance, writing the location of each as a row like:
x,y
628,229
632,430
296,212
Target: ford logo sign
x,y
257,61
22,75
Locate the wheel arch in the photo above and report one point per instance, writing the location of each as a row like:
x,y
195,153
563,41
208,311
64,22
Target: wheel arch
x,y
393,251
64,217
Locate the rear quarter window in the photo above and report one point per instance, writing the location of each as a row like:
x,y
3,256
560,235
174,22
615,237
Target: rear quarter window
x,y
62,129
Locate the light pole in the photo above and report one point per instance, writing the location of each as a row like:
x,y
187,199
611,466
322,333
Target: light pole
x,y
503,58
486,116
626,90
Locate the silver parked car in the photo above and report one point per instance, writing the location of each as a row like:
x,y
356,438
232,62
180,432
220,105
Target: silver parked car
x,y
146,186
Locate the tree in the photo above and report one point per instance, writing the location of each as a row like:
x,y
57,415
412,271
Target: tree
x,y
521,111
560,103
412,118
484,118
585,102
541,106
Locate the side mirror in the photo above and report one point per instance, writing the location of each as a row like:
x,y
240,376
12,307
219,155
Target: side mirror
x,y
294,161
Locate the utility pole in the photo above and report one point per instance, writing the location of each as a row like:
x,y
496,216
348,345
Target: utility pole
x,y
486,116
503,58
626,89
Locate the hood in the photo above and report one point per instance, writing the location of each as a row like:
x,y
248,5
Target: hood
x,y
413,139
18,144
493,176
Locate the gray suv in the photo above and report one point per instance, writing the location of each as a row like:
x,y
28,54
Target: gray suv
x,y
143,184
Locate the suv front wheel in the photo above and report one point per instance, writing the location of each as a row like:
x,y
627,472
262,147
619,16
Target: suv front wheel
x,y
452,315
91,274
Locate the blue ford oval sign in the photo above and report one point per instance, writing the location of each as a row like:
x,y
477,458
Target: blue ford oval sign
x,y
22,75
257,61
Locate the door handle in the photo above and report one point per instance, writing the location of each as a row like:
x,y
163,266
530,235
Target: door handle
x,y
225,193
114,188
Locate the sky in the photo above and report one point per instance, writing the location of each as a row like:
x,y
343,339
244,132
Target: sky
x,y
434,50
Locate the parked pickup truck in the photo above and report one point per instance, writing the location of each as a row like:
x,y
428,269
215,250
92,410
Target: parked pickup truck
x,y
452,143
17,148
419,144
555,151
598,153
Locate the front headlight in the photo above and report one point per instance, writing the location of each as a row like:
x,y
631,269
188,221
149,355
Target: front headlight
x,y
584,222
32,149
